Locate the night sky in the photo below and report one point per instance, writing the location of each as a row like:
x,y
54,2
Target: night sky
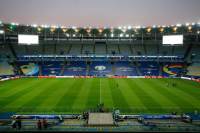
x,y
100,13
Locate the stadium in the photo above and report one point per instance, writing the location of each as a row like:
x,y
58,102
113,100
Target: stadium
x,y
126,78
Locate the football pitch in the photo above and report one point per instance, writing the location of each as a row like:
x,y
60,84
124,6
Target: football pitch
x,y
135,96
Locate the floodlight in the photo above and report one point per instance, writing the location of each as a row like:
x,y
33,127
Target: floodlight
x,y
161,30
120,27
1,32
73,27
129,27
149,30
13,23
187,24
175,29
34,25
121,35
190,28
178,25
127,35
64,29
54,26
88,30
100,30
39,29
112,35
45,26
67,35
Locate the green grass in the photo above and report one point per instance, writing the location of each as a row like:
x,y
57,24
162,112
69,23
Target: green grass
x,y
32,95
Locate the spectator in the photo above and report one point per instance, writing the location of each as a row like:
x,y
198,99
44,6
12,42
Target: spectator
x,y
39,125
44,123
14,124
19,124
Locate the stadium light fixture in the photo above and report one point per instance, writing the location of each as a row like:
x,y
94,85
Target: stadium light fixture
x,y
154,26
100,30
121,35
52,29
54,26
149,30
15,24
129,27
74,27
34,25
187,24
64,30
193,23
88,30
67,35
124,30
189,28
124,27
39,29
175,29
76,30
162,30
178,25
119,27
45,26
138,27
1,31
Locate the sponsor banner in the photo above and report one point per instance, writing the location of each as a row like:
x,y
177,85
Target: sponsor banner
x,y
186,78
64,76
151,116
118,77
135,76
153,77
4,79
46,76
84,76
193,79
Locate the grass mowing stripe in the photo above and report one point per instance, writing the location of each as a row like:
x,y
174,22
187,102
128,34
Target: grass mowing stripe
x,y
36,102
18,104
66,102
63,89
187,95
161,88
93,96
81,100
15,85
119,100
182,101
185,87
106,94
139,105
142,90
18,95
